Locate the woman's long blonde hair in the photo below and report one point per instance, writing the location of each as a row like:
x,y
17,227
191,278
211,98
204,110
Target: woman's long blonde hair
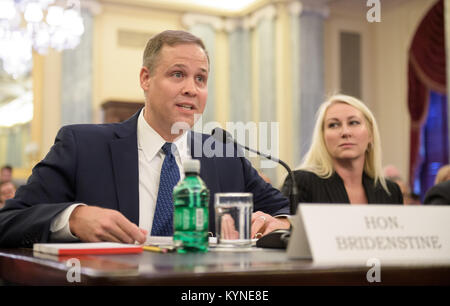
x,y
318,159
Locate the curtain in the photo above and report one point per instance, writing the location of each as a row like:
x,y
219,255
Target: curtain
x,y
426,71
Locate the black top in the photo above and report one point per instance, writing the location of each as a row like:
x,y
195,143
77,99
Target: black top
x,y
314,189
439,194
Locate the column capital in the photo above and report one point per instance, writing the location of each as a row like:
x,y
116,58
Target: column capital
x,y
231,24
191,19
295,8
268,12
250,21
318,7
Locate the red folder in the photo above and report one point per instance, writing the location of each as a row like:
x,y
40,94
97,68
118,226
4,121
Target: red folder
x,y
91,248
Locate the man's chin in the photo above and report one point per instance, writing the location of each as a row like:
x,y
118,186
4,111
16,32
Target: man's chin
x,y
179,127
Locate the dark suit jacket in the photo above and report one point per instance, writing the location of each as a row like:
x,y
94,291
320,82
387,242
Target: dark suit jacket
x,y
314,189
98,165
439,194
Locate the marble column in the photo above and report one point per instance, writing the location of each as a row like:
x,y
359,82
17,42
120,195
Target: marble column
x,y
240,70
205,27
263,23
17,137
76,77
308,30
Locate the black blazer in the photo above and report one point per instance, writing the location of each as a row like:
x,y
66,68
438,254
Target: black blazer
x,y
314,189
97,164
439,194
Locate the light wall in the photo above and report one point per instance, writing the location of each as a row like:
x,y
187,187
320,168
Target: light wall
x,y
117,62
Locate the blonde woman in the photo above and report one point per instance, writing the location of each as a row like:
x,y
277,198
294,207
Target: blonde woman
x,y
343,164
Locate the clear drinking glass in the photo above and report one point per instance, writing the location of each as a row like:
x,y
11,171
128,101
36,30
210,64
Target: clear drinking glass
x,y
233,213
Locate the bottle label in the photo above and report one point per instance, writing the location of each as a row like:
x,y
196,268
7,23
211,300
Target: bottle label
x,y
199,219
191,219
186,220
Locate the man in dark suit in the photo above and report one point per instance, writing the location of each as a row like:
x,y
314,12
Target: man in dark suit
x,y
99,181
439,194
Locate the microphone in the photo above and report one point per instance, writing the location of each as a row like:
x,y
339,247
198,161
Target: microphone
x,y
225,137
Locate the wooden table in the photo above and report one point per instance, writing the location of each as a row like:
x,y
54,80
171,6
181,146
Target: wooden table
x,y
256,268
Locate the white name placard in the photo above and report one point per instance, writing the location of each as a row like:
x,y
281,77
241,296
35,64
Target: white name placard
x,y
353,234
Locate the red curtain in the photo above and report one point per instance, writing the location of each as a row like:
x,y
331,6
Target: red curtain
x,y
426,71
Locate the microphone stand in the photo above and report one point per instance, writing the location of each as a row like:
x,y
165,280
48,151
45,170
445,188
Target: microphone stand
x,y
293,196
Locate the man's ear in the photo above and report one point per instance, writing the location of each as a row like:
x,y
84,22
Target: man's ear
x,y
144,77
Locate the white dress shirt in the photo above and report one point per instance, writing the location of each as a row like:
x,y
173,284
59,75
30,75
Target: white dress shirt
x,y
151,158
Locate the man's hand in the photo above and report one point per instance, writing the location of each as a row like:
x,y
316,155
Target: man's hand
x,y
263,224
228,228
95,224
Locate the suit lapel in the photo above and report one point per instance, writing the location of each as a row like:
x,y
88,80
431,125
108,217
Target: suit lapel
x,y
208,173
208,169
124,155
371,190
336,190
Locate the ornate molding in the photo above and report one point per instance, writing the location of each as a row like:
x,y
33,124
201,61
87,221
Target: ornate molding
x,y
268,12
231,24
295,8
251,20
318,7
190,19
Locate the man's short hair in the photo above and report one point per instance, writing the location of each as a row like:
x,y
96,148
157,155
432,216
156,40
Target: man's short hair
x,y
6,167
171,38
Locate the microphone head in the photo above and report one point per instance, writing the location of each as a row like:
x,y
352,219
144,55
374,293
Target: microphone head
x,y
221,135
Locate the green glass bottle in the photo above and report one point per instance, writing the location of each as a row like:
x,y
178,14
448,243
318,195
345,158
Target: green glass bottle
x,y
191,213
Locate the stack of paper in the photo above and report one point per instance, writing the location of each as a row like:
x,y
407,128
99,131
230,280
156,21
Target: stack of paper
x,y
86,248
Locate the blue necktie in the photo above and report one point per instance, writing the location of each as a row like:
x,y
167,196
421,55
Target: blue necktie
x,y
170,175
